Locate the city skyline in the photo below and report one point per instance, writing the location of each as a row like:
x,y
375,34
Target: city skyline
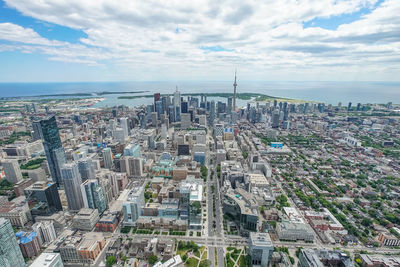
x,y
131,41
200,133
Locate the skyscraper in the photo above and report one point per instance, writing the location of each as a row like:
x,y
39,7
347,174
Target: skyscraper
x,y
212,112
184,107
12,170
234,94
93,195
171,113
48,131
275,119
177,98
45,197
230,107
177,113
132,207
10,253
157,97
149,110
86,168
72,181
349,107
132,166
125,126
107,158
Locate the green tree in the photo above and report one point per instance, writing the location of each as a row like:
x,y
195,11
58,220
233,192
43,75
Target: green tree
x,y
153,259
111,260
197,207
366,222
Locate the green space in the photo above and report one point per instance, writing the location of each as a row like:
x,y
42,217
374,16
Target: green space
x,y
126,229
282,201
111,260
181,233
32,164
204,172
15,136
153,259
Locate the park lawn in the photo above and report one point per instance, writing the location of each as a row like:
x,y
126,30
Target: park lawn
x,y
197,254
182,252
192,262
242,261
205,253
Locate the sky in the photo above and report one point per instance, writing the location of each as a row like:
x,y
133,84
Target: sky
x,y
131,40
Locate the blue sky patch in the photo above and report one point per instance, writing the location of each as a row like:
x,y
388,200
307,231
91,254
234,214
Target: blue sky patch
x,y
216,48
150,51
45,29
333,22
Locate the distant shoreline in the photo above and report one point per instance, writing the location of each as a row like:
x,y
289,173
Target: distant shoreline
x,y
94,94
243,96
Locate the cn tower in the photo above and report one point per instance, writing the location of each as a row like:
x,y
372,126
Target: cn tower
x,y
234,94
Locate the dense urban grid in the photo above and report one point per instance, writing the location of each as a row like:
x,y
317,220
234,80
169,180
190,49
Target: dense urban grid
x,y
190,181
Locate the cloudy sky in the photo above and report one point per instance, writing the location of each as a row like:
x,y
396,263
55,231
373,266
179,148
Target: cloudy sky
x,y
130,40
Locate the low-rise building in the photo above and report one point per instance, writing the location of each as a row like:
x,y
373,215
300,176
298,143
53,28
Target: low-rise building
x,y
29,243
81,249
48,259
323,257
291,231
162,223
370,260
86,219
108,222
175,261
240,210
17,211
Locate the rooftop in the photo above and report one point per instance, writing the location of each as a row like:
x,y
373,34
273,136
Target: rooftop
x,y
260,239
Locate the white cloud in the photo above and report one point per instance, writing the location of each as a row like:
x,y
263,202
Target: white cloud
x,y
262,38
15,33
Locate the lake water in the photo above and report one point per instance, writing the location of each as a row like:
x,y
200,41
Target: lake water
x,y
327,92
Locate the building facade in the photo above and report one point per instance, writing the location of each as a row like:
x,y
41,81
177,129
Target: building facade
x,y
10,253
47,130
260,249
72,181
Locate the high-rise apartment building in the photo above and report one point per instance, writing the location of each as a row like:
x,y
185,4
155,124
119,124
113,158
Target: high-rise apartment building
x,y
107,158
212,112
72,181
86,169
93,195
10,253
45,231
125,126
133,206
